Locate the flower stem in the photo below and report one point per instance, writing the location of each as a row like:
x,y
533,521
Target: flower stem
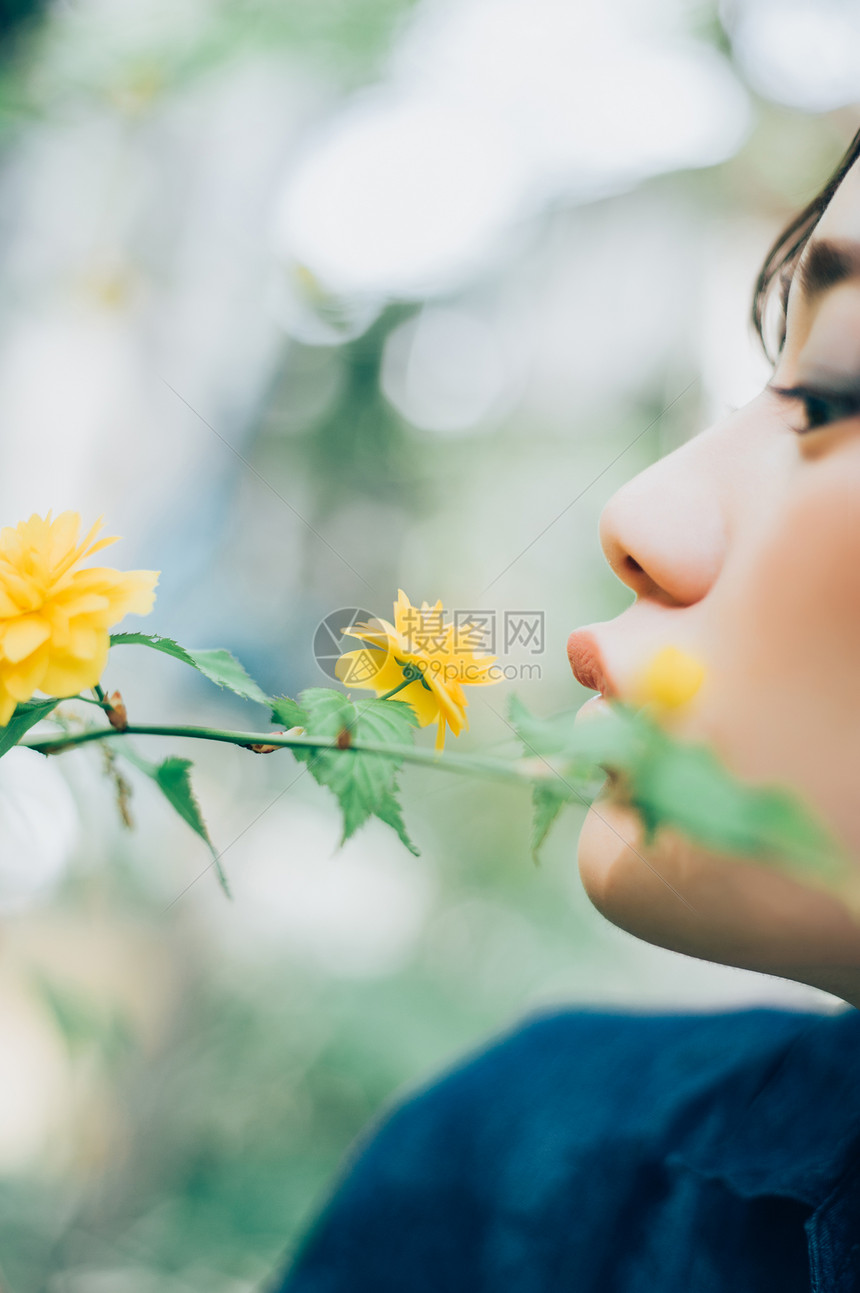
x,y
522,770
88,700
399,687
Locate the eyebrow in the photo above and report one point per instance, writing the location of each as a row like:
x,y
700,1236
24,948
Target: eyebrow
x,y
825,265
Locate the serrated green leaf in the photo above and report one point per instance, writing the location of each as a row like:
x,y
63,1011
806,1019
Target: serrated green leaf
x,y
26,715
392,722
326,709
364,783
222,668
218,665
288,711
172,776
387,720
548,799
389,812
358,780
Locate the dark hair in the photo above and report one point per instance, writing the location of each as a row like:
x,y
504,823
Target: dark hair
x,y
781,260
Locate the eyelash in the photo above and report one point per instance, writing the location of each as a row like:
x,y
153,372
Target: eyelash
x,y
821,408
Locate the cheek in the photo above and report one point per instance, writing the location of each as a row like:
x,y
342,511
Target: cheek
x,y
783,644
803,589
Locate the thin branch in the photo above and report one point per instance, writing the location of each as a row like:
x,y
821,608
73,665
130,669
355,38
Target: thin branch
x,y
524,770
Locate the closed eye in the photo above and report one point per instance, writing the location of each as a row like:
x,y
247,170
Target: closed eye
x,y
819,407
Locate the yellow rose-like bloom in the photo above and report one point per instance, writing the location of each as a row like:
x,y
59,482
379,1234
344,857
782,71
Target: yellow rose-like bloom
x,y
440,651
54,618
670,680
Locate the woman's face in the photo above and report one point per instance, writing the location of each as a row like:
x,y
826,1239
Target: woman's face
x,y
743,548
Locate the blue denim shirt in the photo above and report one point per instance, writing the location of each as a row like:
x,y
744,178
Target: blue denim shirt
x,y
613,1153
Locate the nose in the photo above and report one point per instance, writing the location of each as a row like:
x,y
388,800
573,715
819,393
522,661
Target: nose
x,y
664,533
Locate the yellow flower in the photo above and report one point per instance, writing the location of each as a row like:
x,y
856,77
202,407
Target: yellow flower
x,y
54,618
441,653
670,680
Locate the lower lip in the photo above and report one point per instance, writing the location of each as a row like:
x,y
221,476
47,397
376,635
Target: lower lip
x,y
592,706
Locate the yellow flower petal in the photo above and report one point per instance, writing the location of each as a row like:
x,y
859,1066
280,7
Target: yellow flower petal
x,y
21,680
85,642
7,706
670,680
81,603
443,693
24,592
423,702
132,592
68,674
54,616
20,637
63,532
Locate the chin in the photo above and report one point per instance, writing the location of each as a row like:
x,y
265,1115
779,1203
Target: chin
x,y
715,907
634,887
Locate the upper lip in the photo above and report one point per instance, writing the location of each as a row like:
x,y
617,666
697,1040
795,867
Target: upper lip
x,y
588,664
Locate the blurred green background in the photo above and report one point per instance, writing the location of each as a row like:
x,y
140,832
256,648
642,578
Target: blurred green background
x,y
315,299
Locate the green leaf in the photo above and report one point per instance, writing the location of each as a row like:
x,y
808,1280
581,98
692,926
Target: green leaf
x,y
365,784
26,716
610,739
326,714
218,665
172,776
387,720
389,812
789,830
676,784
572,755
548,798
687,787
390,721
288,711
